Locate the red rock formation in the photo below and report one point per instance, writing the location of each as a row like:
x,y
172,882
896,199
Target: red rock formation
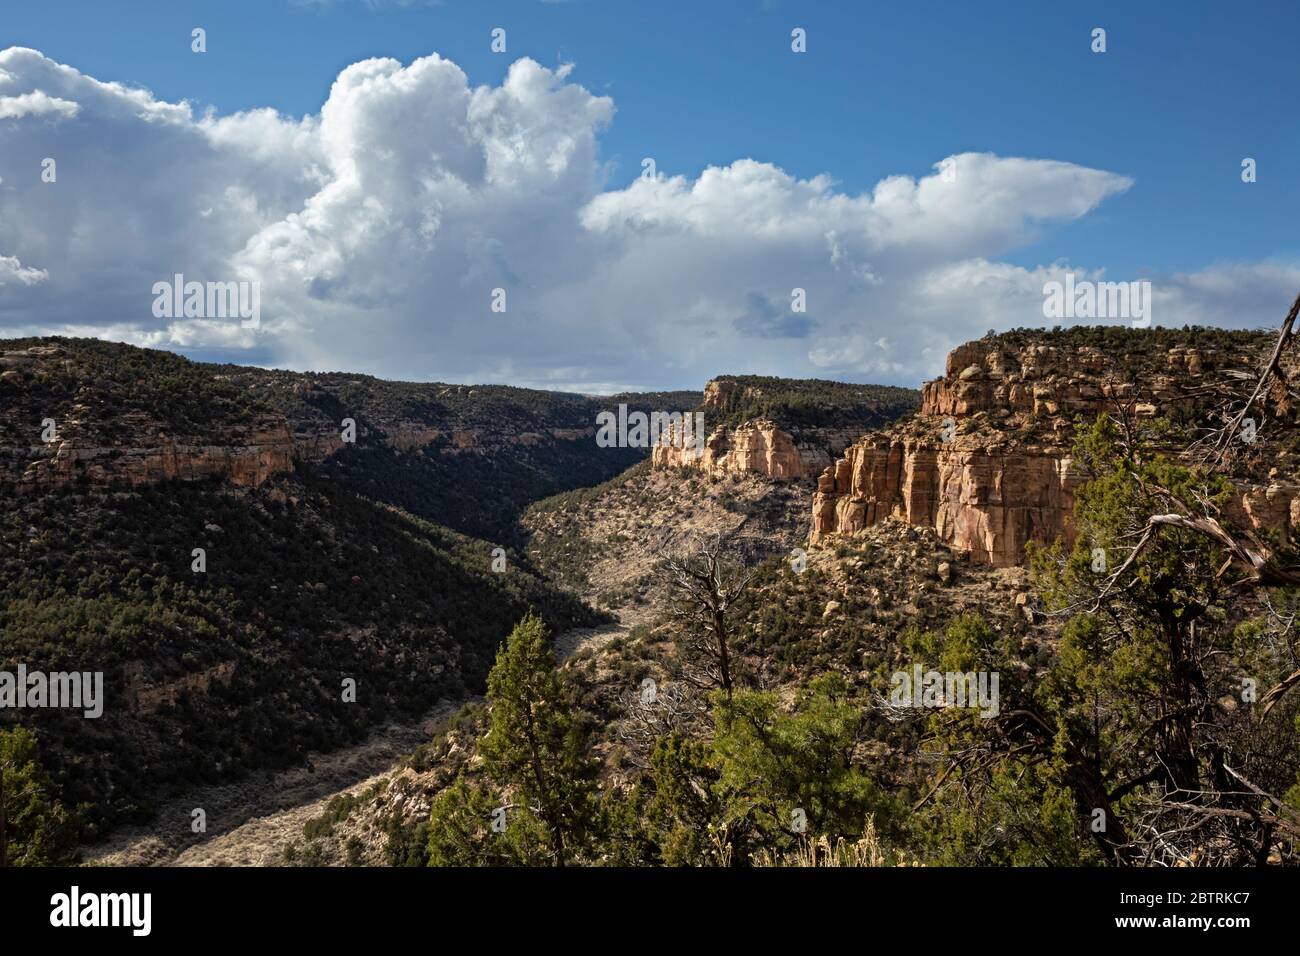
x,y
251,456
1004,476
825,418
988,502
759,446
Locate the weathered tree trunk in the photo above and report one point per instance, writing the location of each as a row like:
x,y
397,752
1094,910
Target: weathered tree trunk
x,y
549,814
724,655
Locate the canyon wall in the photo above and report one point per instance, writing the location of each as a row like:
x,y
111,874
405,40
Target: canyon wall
x,y
75,412
758,447
987,501
250,457
761,445
246,456
986,461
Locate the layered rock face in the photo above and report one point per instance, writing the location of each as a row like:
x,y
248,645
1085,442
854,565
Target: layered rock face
x,y
100,414
1047,381
986,461
986,501
56,430
760,446
252,456
757,447
247,456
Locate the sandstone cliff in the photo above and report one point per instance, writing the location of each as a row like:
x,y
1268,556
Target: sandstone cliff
x,y
71,418
783,429
759,447
248,458
986,461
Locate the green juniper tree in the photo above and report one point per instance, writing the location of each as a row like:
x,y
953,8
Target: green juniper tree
x,y
469,825
996,800
770,776
686,805
35,829
536,746
787,773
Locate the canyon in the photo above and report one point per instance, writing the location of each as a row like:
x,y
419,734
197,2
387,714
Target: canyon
x,y
329,559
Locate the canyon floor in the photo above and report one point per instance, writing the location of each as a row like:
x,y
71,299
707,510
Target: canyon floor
x,y
252,821
609,550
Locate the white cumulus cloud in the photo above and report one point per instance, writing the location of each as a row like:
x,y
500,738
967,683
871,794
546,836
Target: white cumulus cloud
x,y
36,104
11,270
380,227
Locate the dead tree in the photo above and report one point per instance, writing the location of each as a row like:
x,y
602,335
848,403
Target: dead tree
x,y
1272,374
706,594
651,717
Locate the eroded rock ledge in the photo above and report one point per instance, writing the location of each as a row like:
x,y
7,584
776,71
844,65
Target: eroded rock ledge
x,y
1005,477
763,445
253,455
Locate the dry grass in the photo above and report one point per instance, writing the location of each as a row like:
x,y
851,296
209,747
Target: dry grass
x,y
867,850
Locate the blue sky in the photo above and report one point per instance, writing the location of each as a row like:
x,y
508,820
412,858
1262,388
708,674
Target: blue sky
x,y
1184,92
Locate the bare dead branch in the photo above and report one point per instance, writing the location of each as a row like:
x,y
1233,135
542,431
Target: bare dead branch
x,y
1285,334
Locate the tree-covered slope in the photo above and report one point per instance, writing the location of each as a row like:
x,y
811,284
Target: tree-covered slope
x,y
208,673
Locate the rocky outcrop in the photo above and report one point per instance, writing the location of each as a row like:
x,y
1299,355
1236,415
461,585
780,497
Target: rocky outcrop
x,y
1048,381
810,424
1272,506
986,501
759,447
724,392
986,461
251,456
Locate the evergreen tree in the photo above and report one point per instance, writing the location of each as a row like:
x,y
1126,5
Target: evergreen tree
x,y
686,808
624,839
536,747
463,829
35,829
784,775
